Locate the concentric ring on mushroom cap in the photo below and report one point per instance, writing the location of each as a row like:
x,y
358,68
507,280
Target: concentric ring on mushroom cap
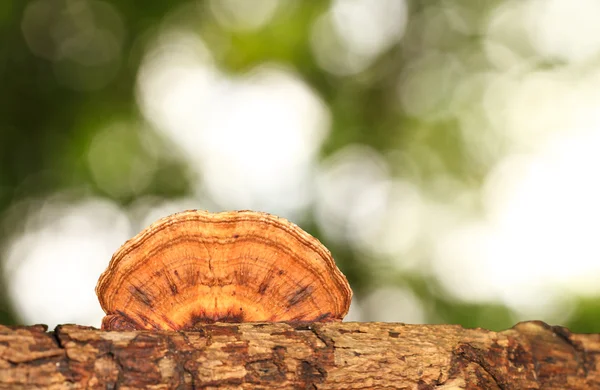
x,y
241,266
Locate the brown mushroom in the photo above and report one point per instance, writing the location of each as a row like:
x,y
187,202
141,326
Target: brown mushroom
x,y
196,267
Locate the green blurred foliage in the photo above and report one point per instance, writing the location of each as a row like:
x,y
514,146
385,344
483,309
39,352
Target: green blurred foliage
x,y
46,127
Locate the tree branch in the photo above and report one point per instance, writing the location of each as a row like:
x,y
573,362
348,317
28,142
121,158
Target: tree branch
x,y
531,355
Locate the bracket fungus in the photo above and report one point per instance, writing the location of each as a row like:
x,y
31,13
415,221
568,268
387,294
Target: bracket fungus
x,y
199,267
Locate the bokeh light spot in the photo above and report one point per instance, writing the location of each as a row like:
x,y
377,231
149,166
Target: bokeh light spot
x,y
52,268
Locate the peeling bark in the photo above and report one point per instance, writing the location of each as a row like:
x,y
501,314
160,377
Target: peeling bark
x,y
531,355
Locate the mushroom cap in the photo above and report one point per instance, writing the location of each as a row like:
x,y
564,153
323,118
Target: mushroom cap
x,y
196,267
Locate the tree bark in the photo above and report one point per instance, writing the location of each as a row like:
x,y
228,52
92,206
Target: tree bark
x,y
531,355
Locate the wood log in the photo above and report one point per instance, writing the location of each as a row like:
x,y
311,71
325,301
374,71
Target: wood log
x,y
531,355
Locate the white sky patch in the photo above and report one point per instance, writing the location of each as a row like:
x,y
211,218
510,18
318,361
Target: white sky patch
x,y
51,269
563,29
368,28
536,242
548,205
355,312
537,105
263,141
176,84
392,304
540,238
252,139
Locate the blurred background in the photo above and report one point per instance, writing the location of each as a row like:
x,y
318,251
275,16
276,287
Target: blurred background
x,y
445,151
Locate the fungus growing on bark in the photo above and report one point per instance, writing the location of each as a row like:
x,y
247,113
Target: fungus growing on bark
x,y
199,267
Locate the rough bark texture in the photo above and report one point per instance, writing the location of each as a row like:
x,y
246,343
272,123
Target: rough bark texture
x,y
531,355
